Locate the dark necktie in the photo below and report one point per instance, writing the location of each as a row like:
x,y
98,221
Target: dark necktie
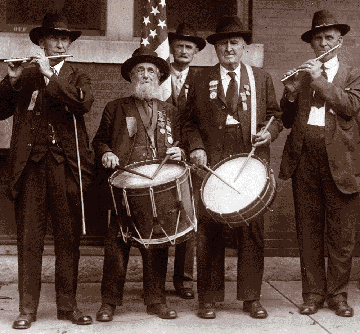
x,y
232,94
317,100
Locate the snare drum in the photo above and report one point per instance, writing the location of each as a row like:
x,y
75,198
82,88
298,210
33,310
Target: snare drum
x,y
161,211
256,184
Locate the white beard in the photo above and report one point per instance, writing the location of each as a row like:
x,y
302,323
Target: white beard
x,y
147,90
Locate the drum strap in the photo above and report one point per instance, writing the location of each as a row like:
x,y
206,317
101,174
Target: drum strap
x,y
252,98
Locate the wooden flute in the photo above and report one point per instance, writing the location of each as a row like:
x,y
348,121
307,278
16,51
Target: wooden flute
x,y
31,58
318,58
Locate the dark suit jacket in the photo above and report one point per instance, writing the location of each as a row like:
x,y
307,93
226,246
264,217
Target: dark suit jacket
x,y
204,118
342,136
62,101
113,134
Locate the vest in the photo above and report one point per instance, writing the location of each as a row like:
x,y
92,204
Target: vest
x,y
163,133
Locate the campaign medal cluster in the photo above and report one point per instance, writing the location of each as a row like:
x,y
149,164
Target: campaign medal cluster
x,y
165,125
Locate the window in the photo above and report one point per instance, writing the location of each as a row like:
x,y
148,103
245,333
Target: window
x,y
85,15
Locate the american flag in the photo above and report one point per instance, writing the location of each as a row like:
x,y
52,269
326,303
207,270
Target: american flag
x,y
154,35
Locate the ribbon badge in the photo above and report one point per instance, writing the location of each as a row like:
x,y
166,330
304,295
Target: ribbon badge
x,y
213,89
186,86
161,121
244,96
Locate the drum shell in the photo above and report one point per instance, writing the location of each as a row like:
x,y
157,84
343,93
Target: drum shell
x,y
166,202
255,209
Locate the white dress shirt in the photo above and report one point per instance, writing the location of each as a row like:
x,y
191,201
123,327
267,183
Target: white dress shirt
x,y
225,78
317,115
178,79
57,69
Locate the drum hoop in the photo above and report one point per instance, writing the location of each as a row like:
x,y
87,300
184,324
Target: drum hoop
x,y
144,191
233,157
248,208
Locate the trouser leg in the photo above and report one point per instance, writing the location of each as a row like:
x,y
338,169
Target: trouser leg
x,y
65,208
210,251
30,214
154,274
116,259
250,268
184,261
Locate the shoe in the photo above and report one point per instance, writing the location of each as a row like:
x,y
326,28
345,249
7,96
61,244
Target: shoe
x,y
162,310
105,313
75,316
312,304
255,308
23,321
206,311
339,304
183,292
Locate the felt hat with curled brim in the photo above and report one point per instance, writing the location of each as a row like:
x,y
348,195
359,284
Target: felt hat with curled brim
x,y
324,19
227,27
185,33
144,55
53,24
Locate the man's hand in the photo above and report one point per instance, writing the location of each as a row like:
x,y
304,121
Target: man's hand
x,y
15,70
313,67
43,64
293,83
262,140
174,152
109,160
198,157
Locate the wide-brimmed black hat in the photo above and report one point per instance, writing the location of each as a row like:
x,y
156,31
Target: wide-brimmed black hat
x,y
185,33
324,19
145,55
229,26
53,23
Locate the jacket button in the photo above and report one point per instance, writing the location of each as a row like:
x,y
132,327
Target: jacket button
x,y
223,107
29,144
220,127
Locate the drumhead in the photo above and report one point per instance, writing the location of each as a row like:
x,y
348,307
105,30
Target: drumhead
x,y
220,198
168,173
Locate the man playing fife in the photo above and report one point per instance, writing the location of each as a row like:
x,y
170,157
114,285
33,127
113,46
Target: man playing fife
x,y
133,129
321,105
43,165
216,124
184,45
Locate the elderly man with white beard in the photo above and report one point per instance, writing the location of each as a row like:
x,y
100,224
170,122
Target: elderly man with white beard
x,y
132,130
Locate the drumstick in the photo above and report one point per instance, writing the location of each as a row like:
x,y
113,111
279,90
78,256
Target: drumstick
x,y
318,58
31,58
220,178
163,162
133,172
252,150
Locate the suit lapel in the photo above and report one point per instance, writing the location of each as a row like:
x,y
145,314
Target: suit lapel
x,y
65,71
217,102
339,81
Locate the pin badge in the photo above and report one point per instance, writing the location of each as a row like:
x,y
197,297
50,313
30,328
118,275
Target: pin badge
x,y
212,95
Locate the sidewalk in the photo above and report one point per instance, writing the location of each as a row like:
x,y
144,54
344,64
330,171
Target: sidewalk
x,y
278,297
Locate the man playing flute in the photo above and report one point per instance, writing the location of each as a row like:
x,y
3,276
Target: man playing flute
x,y
216,124
43,166
321,105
